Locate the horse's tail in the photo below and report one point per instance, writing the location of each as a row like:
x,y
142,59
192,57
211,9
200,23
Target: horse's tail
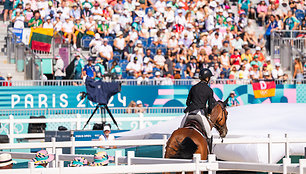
x,y
186,149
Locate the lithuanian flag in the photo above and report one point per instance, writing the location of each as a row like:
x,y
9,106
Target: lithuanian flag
x,y
40,39
264,89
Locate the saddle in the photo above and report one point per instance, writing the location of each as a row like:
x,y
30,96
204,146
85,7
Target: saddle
x,y
194,120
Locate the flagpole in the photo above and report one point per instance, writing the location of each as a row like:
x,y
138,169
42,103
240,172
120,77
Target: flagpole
x,y
41,72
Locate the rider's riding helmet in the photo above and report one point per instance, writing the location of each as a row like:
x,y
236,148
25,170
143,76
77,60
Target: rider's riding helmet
x,y
204,73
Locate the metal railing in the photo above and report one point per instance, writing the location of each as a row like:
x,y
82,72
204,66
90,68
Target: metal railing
x,y
133,82
25,59
59,111
30,61
287,45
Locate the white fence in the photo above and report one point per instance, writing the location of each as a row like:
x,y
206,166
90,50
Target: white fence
x,y
53,145
134,164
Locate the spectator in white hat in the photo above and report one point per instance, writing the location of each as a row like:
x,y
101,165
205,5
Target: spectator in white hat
x,y
185,40
75,12
48,23
6,161
86,13
96,12
169,14
90,26
18,19
57,24
87,4
180,18
139,107
180,7
147,66
8,81
107,136
102,27
260,55
68,30
79,30
59,68
158,79
149,20
277,73
41,10
95,44
119,42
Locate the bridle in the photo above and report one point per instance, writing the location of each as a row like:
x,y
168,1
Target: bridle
x,y
216,124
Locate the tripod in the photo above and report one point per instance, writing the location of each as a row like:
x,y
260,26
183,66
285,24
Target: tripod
x,y
103,107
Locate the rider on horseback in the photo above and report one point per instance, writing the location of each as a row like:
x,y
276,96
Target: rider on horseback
x,y
199,96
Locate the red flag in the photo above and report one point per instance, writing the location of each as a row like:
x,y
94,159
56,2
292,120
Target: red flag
x,y
264,89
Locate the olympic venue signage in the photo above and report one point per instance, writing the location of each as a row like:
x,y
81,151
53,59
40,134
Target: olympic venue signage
x,y
35,97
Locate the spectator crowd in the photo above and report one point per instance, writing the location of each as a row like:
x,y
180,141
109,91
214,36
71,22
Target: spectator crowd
x,y
159,39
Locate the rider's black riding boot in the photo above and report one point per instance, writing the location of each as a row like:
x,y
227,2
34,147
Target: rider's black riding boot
x,y
210,143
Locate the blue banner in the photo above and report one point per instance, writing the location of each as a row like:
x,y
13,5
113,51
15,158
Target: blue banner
x,y
33,97
18,32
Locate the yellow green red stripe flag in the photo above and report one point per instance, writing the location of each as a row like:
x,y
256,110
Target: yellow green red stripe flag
x,y
264,89
40,39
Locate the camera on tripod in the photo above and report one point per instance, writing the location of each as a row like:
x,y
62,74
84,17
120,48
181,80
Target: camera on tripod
x,y
100,92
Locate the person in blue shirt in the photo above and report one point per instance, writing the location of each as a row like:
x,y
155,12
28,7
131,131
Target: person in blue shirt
x,y
291,23
232,101
78,66
89,69
99,68
271,26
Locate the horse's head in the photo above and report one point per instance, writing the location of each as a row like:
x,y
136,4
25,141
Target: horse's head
x,y
219,116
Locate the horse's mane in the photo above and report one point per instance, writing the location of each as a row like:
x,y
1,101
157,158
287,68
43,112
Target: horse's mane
x,y
186,149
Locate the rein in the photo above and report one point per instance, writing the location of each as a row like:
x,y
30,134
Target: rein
x,y
216,124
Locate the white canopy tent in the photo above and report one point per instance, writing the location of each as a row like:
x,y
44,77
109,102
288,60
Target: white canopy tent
x,y
247,121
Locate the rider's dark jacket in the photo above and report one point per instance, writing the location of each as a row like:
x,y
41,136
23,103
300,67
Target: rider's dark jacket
x,y
199,95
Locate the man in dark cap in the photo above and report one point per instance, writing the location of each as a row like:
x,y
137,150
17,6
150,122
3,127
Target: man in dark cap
x,y
89,69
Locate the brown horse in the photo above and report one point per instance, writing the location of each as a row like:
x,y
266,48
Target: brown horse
x,y
186,141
